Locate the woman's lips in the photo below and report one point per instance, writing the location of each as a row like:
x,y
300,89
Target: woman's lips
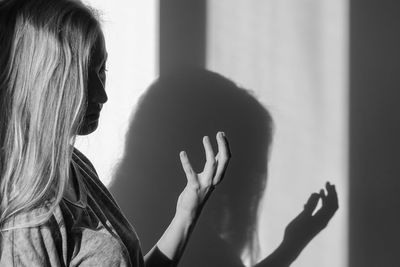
x,y
93,116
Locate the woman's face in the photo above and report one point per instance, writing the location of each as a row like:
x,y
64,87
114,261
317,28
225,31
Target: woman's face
x,y
96,94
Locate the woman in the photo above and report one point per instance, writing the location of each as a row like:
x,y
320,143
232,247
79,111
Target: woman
x,y
54,209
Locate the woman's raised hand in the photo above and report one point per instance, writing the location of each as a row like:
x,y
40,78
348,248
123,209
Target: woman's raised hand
x,y
200,185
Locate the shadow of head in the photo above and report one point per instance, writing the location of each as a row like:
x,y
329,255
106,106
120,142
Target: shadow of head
x,y
173,115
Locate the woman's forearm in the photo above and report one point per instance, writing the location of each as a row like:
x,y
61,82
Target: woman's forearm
x,y
172,243
174,240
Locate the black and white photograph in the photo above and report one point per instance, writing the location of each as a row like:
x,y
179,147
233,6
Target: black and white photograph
x,y
199,133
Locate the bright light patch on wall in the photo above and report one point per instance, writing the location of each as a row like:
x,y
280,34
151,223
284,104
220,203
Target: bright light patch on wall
x,y
130,29
293,55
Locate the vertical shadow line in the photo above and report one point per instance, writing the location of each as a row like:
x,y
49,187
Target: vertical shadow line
x,y
182,35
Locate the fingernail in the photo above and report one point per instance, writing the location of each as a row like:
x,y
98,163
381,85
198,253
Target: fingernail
x,y
222,134
183,153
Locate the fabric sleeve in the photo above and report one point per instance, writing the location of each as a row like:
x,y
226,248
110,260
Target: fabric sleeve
x,y
156,258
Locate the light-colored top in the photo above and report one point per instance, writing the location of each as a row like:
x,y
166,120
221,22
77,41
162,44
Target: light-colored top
x,y
89,232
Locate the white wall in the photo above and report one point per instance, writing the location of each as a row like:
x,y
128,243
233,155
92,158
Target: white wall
x,y
130,29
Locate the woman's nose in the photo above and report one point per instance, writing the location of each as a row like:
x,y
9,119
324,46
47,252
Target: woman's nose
x,y
99,94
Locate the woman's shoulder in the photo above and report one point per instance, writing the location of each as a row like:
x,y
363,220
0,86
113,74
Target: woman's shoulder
x,y
36,214
37,245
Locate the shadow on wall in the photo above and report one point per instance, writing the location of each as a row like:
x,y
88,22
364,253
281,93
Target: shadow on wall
x,y
173,115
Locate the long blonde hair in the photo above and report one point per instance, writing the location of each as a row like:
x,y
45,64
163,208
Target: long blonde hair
x,y
43,78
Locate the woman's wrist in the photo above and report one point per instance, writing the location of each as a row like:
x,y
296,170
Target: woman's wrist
x,y
185,218
191,201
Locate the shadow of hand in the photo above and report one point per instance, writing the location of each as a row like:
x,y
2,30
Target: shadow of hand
x,y
304,227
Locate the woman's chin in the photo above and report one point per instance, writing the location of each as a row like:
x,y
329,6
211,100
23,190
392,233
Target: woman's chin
x,y
88,127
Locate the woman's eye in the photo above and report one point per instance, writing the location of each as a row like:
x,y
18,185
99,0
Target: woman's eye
x,y
103,69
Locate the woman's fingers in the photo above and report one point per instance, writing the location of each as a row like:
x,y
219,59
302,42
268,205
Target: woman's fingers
x,y
187,167
209,168
222,157
214,167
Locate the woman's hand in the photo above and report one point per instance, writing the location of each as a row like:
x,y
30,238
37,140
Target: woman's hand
x,y
200,185
190,202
